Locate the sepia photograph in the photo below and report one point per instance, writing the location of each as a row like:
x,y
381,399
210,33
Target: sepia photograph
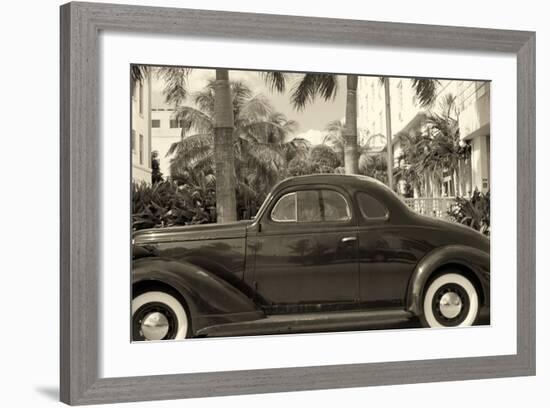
x,y
269,202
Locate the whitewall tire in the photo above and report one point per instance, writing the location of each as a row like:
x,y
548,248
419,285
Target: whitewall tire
x,y
158,315
450,300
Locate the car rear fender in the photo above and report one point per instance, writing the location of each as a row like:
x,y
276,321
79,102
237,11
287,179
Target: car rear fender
x,y
468,259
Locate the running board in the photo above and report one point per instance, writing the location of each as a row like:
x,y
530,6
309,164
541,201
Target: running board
x,y
314,322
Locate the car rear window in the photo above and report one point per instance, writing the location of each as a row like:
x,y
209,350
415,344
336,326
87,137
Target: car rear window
x,y
370,207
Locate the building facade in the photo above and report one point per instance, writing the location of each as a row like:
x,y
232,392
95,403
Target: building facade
x,y
141,130
471,110
165,129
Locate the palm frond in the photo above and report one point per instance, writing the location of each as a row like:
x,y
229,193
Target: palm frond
x,y
312,85
425,90
189,146
175,89
192,118
138,73
275,80
256,107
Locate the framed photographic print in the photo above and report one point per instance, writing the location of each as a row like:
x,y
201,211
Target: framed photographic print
x,y
241,193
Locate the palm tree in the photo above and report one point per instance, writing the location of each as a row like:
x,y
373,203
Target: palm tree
x,y
335,137
373,165
445,149
435,152
326,85
425,90
389,145
260,141
223,119
224,158
413,149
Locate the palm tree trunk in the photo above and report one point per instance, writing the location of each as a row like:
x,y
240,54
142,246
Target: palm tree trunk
x,y
455,182
389,146
224,153
350,151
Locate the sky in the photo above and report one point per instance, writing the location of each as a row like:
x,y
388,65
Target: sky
x,y
312,120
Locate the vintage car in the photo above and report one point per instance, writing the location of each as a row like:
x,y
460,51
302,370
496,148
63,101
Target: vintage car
x,y
324,253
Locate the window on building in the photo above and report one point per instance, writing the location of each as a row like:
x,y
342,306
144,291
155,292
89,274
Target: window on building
x,y
141,149
155,123
175,123
140,96
370,207
133,140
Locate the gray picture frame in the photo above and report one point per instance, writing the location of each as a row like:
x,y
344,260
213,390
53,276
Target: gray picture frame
x,y
80,191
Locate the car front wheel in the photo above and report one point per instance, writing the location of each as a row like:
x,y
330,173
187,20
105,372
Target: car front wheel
x,y
450,300
158,315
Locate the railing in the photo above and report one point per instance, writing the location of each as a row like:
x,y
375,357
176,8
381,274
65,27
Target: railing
x,y
432,206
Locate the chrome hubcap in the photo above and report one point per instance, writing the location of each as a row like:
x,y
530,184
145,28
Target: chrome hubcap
x,y
154,326
450,305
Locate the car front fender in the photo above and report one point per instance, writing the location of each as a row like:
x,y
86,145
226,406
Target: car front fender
x,y
210,299
464,257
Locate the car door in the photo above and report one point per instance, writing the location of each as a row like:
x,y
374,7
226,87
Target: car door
x,y
306,252
388,254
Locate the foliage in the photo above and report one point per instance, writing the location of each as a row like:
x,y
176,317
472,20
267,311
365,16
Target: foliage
x,y
474,212
335,137
156,174
306,90
374,165
425,90
166,203
437,150
175,90
320,159
275,80
411,159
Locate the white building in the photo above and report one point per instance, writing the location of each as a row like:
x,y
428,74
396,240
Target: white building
x,y
141,131
164,127
472,105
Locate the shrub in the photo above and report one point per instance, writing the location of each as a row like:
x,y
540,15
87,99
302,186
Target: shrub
x,y
474,212
165,204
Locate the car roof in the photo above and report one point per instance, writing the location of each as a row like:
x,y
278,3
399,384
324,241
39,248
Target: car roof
x,y
345,180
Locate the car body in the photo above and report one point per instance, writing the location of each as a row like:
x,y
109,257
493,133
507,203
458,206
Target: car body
x,y
325,252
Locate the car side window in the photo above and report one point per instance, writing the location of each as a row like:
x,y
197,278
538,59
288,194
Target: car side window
x,y
370,207
311,206
285,209
335,206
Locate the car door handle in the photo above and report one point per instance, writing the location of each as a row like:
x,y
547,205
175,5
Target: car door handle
x,y
349,239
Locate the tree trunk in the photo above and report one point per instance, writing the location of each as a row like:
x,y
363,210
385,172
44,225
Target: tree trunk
x,y
351,157
389,146
455,182
224,154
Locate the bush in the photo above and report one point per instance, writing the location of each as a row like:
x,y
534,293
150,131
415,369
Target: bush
x,y
474,212
166,204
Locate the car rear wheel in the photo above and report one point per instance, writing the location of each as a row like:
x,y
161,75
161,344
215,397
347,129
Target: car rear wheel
x,y
158,315
450,300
